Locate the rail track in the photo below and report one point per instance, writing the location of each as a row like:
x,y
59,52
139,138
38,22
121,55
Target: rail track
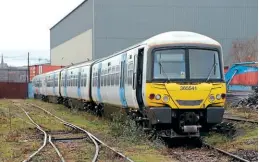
x,y
39,128
234,157
240,119
205,153
97,142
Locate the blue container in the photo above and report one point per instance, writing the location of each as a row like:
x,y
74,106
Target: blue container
x,y
30,90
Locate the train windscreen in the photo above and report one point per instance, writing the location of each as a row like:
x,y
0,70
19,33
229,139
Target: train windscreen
x,y
186,64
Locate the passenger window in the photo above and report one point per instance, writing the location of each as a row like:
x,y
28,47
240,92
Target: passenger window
x,y
85,80
117,75
82,80
113,76
104,78
130,73
109,77
76,80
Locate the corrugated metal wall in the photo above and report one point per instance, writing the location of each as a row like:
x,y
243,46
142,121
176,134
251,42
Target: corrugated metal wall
x,y
75,23
69,41
77,49
13,90
121,23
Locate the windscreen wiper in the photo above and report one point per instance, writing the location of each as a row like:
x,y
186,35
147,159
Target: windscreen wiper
x,y
213,66
168,79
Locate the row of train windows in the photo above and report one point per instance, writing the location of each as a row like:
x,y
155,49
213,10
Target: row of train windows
x,y
74,81
37,83
52,82
111,78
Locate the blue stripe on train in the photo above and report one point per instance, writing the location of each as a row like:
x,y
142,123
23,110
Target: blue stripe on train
x,y
79,84
98,87
122,90
65,87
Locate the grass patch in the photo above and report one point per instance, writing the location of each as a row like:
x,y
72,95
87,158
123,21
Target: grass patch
x,y
241,112
246,138
216,139
16,135
124,128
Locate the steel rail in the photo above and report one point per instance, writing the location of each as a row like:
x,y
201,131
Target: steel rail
x,y
56,149
74,126
240,119
88,133
38,127
225,152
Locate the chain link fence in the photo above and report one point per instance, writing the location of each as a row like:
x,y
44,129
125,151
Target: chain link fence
x,y
14,75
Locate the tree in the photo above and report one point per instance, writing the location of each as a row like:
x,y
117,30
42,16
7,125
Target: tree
x,y
244,51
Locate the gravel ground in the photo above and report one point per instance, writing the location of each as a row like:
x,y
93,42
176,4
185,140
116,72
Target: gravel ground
x,y
250,155
197,155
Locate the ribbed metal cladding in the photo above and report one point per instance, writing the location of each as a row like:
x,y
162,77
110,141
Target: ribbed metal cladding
x,y
189,102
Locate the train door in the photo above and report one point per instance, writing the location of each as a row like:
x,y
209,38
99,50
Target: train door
x,y
45,85
122,81
138,74
99,82
60,82
53,84
135,61
79,88
65,87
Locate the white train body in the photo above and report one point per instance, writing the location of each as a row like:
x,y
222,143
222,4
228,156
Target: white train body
x,y
127,79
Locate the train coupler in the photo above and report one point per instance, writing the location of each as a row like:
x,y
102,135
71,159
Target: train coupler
x,y
191,128
170,133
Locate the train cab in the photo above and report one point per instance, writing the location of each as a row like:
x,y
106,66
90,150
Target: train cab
x,y
183,83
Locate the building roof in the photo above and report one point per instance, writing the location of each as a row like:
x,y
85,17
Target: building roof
x,y
68,14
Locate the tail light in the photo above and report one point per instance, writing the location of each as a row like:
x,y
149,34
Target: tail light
x,y
152,96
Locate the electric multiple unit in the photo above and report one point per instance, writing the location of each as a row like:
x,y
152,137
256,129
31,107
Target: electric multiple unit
x,y
173,83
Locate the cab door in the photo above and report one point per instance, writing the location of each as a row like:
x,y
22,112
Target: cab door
x,y
134,79
138,76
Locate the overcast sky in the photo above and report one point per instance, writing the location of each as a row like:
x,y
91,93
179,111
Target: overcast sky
x,y
25,24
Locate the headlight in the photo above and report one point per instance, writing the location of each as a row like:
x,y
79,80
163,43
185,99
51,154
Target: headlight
x,y
165,98
218,96
212,98
158,97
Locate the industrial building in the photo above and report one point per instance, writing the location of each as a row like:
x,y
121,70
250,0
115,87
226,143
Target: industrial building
x,y
98,28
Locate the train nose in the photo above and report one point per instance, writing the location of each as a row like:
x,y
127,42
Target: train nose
x,y
189,96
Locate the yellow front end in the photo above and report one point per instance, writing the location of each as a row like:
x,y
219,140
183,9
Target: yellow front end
x,y
185,109
185,96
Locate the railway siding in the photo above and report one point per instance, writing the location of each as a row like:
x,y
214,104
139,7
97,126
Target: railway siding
x,y
137,151
242,143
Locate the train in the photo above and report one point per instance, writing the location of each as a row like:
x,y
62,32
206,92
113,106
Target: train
x,y
172,82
